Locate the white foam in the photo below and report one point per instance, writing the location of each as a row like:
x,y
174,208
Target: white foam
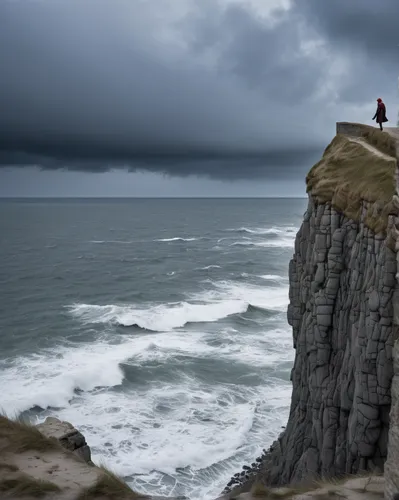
x,y
272,277
170,427
178,239
271,230
212,266
159,318
51,377
117,242
165,425
272,298
280,243
271,351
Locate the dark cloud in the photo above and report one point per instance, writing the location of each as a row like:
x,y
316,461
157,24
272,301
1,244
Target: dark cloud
x,y
364,31
359,24
184,87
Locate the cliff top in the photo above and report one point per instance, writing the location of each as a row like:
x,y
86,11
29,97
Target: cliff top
x,y
358,165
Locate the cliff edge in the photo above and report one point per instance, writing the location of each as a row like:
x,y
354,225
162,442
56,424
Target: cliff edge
x,y
342,289
52,461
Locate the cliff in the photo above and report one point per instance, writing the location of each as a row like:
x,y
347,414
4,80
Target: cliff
x,y
342,292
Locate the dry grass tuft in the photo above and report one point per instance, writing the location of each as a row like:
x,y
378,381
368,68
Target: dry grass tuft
x,y
22,437
259,490
330,488
109,485
27,486
347,174
381,141
8,467
262,491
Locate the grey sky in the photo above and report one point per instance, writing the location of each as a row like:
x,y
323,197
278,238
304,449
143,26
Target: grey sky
x,y
217,96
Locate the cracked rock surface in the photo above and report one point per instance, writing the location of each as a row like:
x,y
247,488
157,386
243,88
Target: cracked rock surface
x,y
342,283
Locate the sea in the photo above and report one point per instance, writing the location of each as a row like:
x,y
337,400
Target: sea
x,y
156,326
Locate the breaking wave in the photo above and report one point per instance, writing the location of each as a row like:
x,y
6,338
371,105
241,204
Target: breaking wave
x,y
158,318
261,231
177,239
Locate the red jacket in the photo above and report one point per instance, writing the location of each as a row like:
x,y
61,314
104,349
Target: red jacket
x,y
380,115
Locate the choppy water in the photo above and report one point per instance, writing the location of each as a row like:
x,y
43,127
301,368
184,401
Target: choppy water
x,y
158,327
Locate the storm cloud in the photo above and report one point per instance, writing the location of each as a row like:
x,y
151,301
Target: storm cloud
x,y
221,88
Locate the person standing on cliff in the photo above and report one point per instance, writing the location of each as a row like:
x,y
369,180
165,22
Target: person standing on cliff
x,y
380,115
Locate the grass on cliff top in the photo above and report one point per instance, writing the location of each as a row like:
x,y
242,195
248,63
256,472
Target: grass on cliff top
x,y
27,486
109,486
349,173
380,140
8,467
20,437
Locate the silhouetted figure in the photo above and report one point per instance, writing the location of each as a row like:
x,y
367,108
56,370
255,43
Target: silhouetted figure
x,y
380,115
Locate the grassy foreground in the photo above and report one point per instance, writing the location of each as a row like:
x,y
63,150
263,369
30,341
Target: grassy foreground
x,y
22,437
20,443
23,485
109,486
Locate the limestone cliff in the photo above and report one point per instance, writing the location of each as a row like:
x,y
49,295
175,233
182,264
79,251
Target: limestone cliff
x,y
342,288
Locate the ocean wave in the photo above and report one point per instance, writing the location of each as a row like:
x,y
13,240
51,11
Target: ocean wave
x,y
159,439
279,243
158,318
116,242
176,238
272,277
268,277
204,428
206,268
220,300
261,231
50,378
270,298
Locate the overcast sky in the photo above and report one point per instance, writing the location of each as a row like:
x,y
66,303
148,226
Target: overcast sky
x,y
185,97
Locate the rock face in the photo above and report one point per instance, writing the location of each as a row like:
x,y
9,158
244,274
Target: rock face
x,y
342,289
342,281
342,284
392,465
69,437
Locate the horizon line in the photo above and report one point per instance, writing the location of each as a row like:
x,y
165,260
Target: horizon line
x,y
2,198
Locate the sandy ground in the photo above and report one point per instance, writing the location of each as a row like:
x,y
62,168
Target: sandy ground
x,y
356,488
62,469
